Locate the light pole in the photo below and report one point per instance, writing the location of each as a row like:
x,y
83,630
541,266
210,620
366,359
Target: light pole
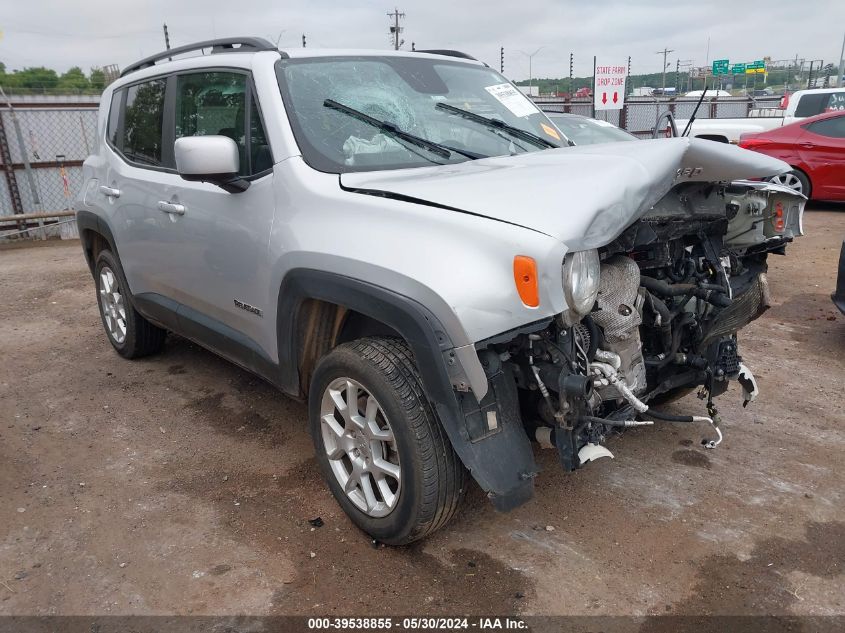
x,y
530,57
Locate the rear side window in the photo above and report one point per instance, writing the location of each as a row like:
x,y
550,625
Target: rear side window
x,y
813,104
832,128
217,103
114,117
837,102
142,122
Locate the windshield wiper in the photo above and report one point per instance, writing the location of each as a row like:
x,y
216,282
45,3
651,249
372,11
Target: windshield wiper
x,y
444,151
514,131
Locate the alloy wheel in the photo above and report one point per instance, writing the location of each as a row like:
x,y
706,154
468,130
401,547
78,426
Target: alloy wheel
x,y
112,305
360,446
789,180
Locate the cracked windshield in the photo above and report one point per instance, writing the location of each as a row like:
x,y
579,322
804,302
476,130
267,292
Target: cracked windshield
x,y
392,112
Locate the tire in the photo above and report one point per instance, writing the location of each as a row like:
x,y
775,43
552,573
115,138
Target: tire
x,y
131,335
431,478
796,180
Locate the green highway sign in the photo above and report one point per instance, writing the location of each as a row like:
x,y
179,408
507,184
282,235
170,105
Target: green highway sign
x,y
758,66
738,69
720,66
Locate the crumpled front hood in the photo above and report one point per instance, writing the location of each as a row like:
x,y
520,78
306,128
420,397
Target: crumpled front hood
x,y
584,196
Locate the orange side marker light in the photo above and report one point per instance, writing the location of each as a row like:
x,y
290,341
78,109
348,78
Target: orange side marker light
x,y
525,278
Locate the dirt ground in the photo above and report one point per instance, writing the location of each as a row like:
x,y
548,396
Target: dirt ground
x,y
181,484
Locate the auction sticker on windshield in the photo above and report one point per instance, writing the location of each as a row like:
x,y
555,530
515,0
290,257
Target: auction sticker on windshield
x,y
512,99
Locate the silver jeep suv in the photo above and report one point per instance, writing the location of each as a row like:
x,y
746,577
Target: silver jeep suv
x,y
407,242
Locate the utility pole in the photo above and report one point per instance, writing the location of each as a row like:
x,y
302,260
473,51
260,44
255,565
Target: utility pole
x,y
167,41
841,64
686,64
571,68
502,60
395,29
665,52
303,40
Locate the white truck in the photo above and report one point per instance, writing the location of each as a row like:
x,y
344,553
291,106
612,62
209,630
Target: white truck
x,y
799,105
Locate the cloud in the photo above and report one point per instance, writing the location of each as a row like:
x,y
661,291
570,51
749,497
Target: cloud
x,y
59,34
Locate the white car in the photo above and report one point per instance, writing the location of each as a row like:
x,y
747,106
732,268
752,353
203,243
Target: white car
x,y
799,105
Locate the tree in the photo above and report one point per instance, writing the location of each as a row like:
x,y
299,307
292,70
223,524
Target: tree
x,y
97,79
37,79
74,81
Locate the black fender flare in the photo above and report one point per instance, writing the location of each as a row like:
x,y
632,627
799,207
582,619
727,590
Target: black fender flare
x,y
502,462
87,221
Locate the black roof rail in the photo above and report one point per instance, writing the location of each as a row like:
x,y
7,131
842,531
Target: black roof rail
x,y
448,53
222,45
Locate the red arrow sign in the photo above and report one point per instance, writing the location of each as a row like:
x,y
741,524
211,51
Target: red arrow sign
x,y
604,97
615,97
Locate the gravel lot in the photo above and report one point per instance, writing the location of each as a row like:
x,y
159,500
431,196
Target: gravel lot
x,y
181,484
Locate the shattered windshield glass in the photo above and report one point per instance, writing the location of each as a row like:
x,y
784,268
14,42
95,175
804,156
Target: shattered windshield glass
x,y
403,92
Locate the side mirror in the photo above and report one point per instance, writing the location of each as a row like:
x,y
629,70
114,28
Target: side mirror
x,y
211,159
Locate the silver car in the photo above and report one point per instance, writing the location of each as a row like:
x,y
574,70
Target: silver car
x,y
406,242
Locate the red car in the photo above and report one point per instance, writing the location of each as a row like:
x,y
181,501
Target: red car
x,y
815,147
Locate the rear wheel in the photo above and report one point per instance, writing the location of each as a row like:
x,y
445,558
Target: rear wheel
x,y
129,333
796,180
379,443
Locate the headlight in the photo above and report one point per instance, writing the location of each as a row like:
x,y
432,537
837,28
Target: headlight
x,y
581,271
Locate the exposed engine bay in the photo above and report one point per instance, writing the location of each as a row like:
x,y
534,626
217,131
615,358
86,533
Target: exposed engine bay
x,y
673,291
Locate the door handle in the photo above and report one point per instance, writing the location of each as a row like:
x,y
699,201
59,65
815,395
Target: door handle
x,y
109,192
806,145
171,207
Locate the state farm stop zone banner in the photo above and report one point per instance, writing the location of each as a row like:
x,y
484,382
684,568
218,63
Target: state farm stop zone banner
x,y
609,91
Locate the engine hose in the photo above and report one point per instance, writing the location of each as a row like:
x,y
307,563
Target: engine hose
x,y
690,418
593,329
610,358
660,287
675,339
688,271
609,372
622,423
668,417
659,307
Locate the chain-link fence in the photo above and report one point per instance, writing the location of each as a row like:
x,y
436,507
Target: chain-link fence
x,y
43,143
640,114
55,134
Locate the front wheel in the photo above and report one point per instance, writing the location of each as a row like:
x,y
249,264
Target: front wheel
x,y
379,443
796,180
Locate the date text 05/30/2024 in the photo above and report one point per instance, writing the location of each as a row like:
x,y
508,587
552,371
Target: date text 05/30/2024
x,y
415,624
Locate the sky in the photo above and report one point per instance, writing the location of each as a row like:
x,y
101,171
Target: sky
x,y
60,34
